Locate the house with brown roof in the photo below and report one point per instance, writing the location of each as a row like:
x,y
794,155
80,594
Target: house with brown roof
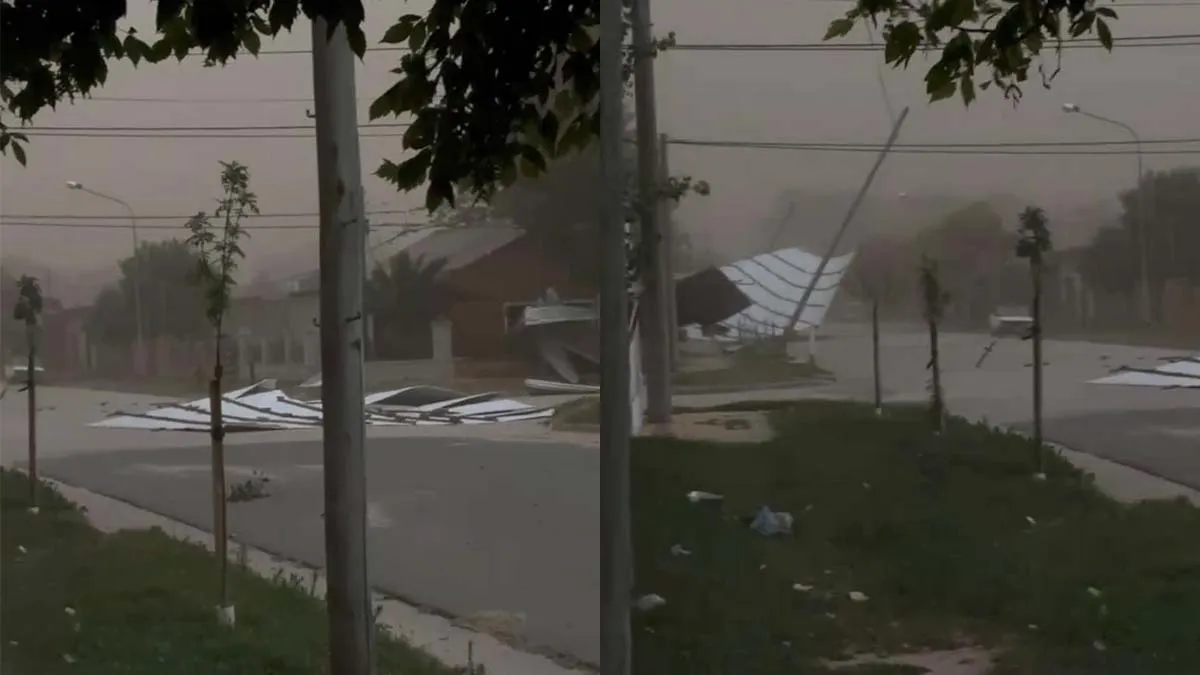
x,y
492,271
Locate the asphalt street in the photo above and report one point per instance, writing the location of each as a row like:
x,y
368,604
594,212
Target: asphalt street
x,y
465,527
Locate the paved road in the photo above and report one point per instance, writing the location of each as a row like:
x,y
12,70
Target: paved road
x,y
461,526
1155,430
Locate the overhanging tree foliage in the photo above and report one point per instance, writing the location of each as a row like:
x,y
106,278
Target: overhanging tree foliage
x,y
494,90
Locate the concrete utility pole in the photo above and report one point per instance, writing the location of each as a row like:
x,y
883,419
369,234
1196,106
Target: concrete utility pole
x,y
837,238
654,308
342,241
616,541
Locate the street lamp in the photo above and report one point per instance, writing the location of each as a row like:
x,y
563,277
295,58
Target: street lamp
x,y
137,267
1142,219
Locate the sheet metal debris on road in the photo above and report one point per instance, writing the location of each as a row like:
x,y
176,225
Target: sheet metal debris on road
x,y
261,407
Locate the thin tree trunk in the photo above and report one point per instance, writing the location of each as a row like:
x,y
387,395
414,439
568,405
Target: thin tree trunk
x,y
217,433
875,356
936,370
1036,312
32,413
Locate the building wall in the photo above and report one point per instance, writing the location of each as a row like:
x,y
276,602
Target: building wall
x,y
517,273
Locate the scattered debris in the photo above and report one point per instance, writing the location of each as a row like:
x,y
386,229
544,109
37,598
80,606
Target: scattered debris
x,y
649,602
700,496
1030,520
1094,592
771,523
678,550
250,489
857,596
803,588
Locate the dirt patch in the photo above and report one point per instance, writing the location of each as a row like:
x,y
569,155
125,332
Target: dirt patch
x,y
966,661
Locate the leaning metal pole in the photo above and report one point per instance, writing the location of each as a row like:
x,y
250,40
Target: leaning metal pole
x,y
837,238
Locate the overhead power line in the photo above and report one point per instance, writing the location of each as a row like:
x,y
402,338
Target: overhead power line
x,y
1177,40
910,150
93,225
251,132
312,214
214,128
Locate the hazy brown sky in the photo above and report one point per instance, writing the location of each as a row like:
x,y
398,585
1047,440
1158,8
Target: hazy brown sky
x,y
789,96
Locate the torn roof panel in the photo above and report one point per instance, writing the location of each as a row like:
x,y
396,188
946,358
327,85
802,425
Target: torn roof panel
x,y
772,285
255,409
1184,373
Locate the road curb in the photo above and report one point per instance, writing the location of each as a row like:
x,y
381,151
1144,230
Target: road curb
x,y
435,634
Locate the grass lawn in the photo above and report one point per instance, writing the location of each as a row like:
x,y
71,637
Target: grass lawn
x,y
749,372
951,540
140,603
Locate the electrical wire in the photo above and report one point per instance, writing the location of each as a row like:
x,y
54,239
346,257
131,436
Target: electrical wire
x,y
52,224
979,151
23,216
170,132
214,128
1147,41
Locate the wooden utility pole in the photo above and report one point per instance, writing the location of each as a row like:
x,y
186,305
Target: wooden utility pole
x,y
342,258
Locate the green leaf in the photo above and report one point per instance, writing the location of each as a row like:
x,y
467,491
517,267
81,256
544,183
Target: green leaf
x,y
966,87
1104,33
159,51
407,174
135,49
357,39
564,103
282,14
19,153
251,41
401,30
839,28
1083,24
416,39
1107,12
260,24
940,87
388,103
439,193
902,42
419,134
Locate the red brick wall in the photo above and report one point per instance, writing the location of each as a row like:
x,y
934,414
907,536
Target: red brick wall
x,y
518,272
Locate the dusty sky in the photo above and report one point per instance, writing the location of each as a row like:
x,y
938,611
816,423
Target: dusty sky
x,y
789,96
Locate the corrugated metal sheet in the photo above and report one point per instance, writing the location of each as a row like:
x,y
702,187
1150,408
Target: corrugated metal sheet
x,y
773,284
1184,373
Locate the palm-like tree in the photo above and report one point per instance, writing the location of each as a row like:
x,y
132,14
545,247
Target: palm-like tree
x,y
404,297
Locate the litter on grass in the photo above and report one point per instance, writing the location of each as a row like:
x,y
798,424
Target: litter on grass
x,y
771,523
649,602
